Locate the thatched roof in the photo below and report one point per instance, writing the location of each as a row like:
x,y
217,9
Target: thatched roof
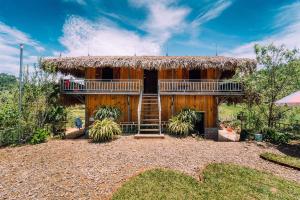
x,y
75,65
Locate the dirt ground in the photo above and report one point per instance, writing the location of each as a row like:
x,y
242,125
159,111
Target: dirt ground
x,y
78,169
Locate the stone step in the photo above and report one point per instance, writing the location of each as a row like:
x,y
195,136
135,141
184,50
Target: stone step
x,y
149,136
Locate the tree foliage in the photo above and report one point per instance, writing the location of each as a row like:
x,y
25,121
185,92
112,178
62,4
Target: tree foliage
x,y
7,81
278,76
40,108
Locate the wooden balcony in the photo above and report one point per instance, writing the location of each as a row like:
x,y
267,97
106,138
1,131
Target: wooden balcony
x,y
101,86
165,87
199,87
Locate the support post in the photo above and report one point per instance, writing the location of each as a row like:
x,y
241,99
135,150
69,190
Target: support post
x,y
128,108
172,105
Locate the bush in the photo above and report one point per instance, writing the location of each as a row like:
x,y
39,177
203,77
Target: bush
x,y
275,137
109,112
178,127
39,136
188,115
246,134
104,130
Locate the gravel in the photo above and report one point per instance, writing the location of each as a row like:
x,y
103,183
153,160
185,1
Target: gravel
x,y
78,169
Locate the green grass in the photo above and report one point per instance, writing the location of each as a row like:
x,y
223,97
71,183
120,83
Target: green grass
x,y
284,160
229,112
73,112
220,181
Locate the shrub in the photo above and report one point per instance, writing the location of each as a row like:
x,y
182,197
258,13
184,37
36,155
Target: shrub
x,y
178,127
104,130
188,115
39,136
109,112
246,134
271,135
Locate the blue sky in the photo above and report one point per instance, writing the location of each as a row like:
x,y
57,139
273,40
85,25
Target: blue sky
x,y
143,27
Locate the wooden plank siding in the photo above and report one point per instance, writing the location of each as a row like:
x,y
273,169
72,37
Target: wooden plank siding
x,y
206,104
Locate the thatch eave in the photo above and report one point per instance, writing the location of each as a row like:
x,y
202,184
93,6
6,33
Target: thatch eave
x,y
76,65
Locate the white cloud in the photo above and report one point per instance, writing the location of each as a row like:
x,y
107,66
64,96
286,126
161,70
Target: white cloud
x,y
214,11
289,33
103,37
81,2
164,19
83,37
10,38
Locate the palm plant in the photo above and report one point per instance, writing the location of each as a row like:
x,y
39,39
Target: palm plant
x,y
104,130
109,112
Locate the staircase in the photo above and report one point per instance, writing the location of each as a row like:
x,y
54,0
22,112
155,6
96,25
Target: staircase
x,y
150,117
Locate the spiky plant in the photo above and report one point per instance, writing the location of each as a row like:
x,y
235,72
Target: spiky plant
x,y
188,115
109,112
104,130
178,127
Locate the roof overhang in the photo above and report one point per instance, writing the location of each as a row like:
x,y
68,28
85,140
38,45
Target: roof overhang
x,y
74,65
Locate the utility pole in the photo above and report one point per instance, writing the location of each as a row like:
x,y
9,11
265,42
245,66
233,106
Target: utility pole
x,y
20,89
21,78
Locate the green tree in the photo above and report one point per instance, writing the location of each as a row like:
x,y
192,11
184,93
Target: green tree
x,y
278,76
7,81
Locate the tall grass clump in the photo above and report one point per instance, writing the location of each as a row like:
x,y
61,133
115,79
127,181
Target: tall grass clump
x,y
109,112
183,123
104,130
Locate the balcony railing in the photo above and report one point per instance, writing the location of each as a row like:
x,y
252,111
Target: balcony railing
x,y
165,87
101,86
199,87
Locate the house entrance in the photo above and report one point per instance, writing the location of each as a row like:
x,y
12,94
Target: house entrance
x,y
150,81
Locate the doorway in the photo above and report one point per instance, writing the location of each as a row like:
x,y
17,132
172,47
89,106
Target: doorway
x,y
107,73
194,74
150,81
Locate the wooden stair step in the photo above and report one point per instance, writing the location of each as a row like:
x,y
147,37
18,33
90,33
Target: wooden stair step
x,y
149,130
156,119
149,124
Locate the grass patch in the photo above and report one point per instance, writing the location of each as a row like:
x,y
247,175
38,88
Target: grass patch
x,y
221,181
229,112
73,112
288,161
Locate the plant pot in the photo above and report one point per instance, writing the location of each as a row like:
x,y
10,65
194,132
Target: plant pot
x,y
258,137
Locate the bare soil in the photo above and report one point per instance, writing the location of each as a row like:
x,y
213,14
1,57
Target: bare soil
x,y
78,169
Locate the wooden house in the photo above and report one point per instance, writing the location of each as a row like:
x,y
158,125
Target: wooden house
x,y
150,89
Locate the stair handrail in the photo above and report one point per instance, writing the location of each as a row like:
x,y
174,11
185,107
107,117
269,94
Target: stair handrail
x,y
159,109
139,111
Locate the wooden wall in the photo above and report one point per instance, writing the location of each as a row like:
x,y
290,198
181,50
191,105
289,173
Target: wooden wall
x,y
207,104
93,101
